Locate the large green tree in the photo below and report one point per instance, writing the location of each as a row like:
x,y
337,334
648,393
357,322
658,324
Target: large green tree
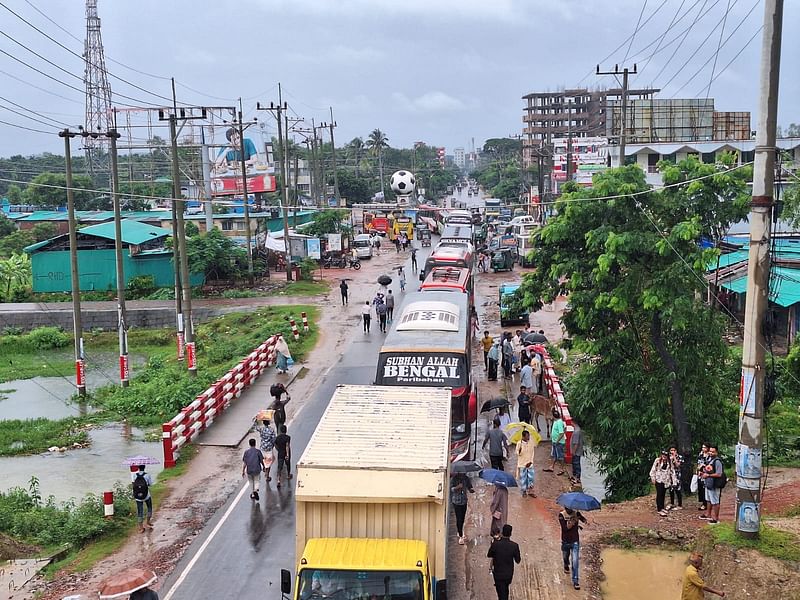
x,y
657,370
330,220
48,190
215,255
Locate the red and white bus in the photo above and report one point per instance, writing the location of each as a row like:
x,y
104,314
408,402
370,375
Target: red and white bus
x,y
450,279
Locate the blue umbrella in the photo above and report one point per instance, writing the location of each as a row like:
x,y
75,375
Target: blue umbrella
x,y
498,477
578,501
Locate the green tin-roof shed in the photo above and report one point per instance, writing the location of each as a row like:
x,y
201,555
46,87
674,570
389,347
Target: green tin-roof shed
x,y
143,253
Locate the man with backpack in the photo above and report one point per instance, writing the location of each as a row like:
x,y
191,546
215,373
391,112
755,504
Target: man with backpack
x,y
141,493
714,479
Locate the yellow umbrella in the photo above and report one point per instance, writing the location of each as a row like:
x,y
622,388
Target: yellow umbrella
x,y
514,431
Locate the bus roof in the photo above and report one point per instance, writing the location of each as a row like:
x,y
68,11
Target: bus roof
x,y
450,253
446,278
449,337
457,231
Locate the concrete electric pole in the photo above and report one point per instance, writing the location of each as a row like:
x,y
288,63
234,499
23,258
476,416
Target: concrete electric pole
x,y
623,106
330,127
124,369
752,393
77,328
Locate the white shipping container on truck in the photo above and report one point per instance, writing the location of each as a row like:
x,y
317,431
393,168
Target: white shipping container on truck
x,y
376,472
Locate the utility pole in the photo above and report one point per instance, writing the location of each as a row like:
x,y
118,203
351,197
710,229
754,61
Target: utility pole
x,y
279,110
330,127
569,141
323,203
751,397
248,234
77,329
296,194
208,207
122,324
624,105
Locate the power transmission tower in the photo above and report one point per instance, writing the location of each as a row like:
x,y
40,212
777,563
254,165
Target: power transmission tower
x,y
99,117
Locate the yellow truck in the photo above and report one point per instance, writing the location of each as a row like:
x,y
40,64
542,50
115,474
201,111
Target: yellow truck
x,y
372,497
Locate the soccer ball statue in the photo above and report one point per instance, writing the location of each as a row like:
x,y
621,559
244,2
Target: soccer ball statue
x,y
403,182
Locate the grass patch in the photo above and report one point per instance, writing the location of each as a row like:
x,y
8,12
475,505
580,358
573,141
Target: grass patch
x,y
772,541
23,363
163,386
306,288
31,436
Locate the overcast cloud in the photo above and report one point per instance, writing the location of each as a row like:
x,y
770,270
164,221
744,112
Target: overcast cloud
x,y
442,71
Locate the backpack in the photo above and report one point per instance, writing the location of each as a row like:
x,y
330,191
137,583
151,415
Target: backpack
x,y
140,487
722,480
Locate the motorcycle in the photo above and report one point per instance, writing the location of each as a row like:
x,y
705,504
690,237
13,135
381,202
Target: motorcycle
x,y
335,262
354,263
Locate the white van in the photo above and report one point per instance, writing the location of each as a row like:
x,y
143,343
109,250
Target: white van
x,y
363,245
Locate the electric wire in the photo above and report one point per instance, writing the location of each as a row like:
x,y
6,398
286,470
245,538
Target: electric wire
x,y
635,31
672,23
686,33
719,45
725,68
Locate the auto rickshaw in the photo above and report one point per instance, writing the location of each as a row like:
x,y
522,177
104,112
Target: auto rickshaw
x,y
424,235
503,260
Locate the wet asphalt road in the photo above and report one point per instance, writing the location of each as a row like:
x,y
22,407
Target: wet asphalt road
x,y
242,557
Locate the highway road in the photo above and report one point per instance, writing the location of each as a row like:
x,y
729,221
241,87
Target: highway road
x,y
242,550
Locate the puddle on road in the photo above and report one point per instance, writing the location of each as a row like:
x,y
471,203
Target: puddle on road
x,y
74,473
651,574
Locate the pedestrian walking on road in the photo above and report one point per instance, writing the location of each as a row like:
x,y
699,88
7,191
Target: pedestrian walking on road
x,y
508,353
526,376
401,277
576,450
366,315
474,323
414,259
504,553
143,594
343,287
525,472
486,341
516,346
252,465
389,306
662,475
279,416
524,405
397,243
283,444
558,437
492,358
282,355
267,436
141,493
381,310
694,585
498,444
499,509
570,521
460,484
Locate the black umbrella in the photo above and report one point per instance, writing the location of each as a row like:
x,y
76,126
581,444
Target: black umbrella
x,y
465,466
493,404
534,338
384,280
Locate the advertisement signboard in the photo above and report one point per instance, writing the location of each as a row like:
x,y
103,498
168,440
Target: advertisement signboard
x,y
335,242
589,156
226,167
297,247
443,370
314,248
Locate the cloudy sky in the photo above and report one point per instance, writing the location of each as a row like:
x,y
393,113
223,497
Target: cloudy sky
x,y
442,71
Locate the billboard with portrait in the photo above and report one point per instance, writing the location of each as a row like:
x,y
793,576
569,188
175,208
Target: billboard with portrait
x,y
226,167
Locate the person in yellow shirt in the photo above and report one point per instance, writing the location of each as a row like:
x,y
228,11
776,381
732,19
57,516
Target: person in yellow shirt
x,y
694,587
486,342
525,472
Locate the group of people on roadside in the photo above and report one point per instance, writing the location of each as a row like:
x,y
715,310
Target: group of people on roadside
x,y
666,476
514,356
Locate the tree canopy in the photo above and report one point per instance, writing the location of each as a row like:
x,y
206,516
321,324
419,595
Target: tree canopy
x,y
215,255
657,371
328,221
48,190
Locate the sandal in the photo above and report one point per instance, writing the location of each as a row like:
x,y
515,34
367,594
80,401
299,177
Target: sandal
x,y
547,470
560,473
577,586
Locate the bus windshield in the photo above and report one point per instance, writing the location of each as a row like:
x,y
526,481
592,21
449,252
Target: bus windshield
x,y
344,585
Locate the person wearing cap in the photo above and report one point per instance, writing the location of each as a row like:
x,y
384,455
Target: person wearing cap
x,y
694,586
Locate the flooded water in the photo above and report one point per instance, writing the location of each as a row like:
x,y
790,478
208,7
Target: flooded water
x,y
74,473
651,574
592,480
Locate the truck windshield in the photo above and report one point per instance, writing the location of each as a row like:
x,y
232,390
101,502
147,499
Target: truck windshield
x,y
346,585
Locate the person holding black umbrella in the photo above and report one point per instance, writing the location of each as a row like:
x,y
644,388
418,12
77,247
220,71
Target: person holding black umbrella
x,y
460,484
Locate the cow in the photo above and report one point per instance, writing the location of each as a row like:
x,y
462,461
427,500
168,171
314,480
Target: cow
x,y
542,405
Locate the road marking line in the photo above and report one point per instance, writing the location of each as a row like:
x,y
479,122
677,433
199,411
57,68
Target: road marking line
x,y
202,548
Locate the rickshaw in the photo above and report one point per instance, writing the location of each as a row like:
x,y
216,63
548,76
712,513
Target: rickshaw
x,y
424,235
503,260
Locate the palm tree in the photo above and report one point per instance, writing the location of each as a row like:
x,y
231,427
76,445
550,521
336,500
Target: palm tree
x,y
376,142
354,151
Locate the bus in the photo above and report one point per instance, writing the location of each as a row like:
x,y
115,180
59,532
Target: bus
x,y
458,217
492,209
429,346
456,235
403,224
430,216
450,279
448,256
509,314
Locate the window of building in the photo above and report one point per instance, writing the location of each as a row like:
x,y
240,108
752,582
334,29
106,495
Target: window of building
x,y
227,225
748,156
709,158
669,157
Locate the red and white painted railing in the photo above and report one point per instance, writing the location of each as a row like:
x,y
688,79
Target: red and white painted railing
x,y
556,392
200,413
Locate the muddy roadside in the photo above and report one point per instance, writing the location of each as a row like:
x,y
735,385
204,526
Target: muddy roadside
x,y
215,471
